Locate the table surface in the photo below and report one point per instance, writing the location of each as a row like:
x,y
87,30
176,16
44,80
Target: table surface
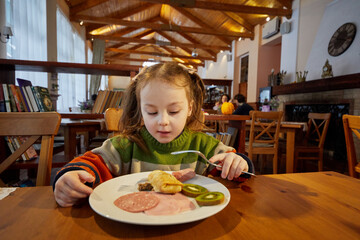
x,y
321,205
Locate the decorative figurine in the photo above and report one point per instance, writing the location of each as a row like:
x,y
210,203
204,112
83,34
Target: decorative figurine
x,y
281,76
327,70
301,77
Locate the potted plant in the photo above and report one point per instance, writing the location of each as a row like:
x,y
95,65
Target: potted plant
x,y
274,103
86,106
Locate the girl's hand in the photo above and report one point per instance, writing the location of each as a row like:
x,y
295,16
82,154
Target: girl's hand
x,y
232,164
70,187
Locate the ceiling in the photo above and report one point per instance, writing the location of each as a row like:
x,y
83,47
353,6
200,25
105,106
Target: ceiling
x,y
171,30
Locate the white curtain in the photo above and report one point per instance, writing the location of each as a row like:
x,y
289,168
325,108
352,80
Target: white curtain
x,y
104,78
70,48
28,23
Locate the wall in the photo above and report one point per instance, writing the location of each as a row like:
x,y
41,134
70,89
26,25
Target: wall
x,y
336,14
250,47
289,45
221,69
310,16
269,58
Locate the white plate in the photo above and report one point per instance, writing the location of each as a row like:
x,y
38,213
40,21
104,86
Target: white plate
x,y
102,201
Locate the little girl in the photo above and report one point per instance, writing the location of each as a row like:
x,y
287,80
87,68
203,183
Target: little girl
x,y
161,107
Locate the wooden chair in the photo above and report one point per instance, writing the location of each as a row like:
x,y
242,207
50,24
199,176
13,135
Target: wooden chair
x,y
352,127
33,125
312,147
112,120
264,135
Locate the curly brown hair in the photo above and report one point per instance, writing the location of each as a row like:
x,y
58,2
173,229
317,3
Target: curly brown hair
x,y
131,120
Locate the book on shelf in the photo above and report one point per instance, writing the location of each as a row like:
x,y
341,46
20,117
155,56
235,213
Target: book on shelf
x,y
17,100
14,143
228,138
12,99
32,99
37,98
44,99
25,98
6,97
107,99
31,152
2,99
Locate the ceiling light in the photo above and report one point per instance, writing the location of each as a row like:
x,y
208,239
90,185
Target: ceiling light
x,y
268,19
240,38
194,53
81,23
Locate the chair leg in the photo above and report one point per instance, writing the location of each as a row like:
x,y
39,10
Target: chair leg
x,y
275,163
320,164
296,155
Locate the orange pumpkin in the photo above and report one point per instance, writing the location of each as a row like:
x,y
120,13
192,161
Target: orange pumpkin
x,y
227,108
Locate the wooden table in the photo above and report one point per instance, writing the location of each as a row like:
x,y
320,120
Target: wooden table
x,y
321,205
82,116
71,127
290,129
236,121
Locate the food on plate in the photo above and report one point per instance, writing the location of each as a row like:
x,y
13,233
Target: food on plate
x,y
193,190
171,204
164,182
210,198
137,201
145,186
184,174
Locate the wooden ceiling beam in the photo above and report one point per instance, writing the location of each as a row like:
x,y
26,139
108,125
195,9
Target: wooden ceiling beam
x,y
156,54
150,60
161,27
286,3
185,61
191,39
225,7
155,42
137,36
85,6
240,20
201,23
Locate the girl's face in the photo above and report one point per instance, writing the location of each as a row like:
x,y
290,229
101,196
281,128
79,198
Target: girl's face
x,y
224,98
165,109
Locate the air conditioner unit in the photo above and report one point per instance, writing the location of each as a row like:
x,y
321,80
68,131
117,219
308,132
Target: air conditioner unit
x,y
271,28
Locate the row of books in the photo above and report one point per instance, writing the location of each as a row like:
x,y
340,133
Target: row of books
x,y
107,99
24,99
228,138
14,143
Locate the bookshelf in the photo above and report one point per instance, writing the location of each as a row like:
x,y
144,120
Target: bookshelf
x,y
9,66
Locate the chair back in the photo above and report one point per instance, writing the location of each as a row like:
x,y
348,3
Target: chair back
x,y
262,128
112,120
318,124
34,126
351,130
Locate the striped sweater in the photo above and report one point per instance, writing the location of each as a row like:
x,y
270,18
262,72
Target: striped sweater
x,y
118,156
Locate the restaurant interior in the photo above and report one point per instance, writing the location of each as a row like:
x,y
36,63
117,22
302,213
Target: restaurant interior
x,y
278,52
64,67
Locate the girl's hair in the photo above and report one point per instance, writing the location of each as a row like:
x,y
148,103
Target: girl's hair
x,y
171,73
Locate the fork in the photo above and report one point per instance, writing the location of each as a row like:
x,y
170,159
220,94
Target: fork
x,y
203,156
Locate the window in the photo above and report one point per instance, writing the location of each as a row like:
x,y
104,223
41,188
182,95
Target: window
x,y
244,68
26,19
70,48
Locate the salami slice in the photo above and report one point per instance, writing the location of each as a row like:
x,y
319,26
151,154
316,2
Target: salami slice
x,y
137,202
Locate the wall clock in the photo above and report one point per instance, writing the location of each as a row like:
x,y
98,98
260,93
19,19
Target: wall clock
x,y
342,39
